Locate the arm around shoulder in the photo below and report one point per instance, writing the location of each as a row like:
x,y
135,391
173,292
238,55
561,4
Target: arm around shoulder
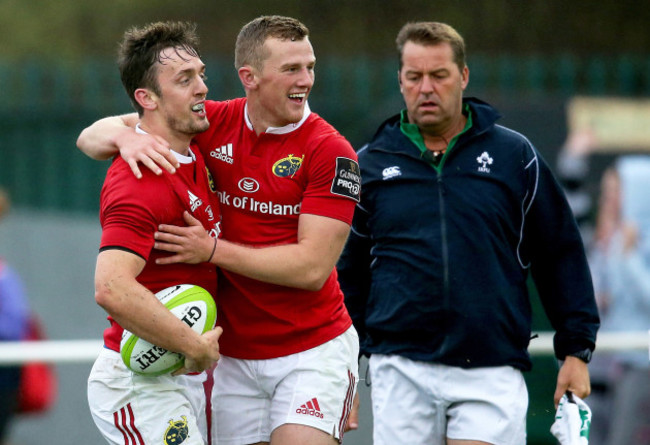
x,y
99,140
112,135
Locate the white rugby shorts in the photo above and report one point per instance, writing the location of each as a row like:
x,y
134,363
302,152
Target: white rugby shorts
x,y
251,398
426,403
130,409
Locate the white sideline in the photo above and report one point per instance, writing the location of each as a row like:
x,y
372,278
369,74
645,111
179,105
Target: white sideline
x,y
85,351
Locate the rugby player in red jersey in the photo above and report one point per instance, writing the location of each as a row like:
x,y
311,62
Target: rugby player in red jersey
x,y
288,183
164,76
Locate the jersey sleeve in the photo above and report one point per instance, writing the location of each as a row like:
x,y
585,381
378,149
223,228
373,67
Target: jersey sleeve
x,y
334,185
128,217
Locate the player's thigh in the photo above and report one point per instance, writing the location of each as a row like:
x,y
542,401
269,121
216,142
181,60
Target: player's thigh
x,y
316,387
292,434
195,392
240,405
139,409
406,407
486,405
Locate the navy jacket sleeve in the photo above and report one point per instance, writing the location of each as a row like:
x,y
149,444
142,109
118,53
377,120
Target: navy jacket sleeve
x,y
558,263
354,273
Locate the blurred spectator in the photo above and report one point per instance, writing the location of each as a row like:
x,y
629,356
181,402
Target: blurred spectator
x,y
14,316
573,172
620,263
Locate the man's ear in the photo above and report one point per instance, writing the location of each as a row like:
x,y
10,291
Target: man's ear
x,y
248,77
464,77
146,98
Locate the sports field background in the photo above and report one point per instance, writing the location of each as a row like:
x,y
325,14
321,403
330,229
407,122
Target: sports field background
x,y
57,75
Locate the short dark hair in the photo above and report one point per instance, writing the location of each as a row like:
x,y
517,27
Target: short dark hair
x,y
249,49
140,51
431,33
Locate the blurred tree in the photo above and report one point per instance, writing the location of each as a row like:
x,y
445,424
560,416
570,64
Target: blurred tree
x,y
75,29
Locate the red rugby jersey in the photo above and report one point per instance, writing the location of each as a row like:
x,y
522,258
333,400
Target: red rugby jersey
x,y
131,210
264,183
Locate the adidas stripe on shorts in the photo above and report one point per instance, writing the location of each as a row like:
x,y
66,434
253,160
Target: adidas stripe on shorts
x,y
130,409
316,388
419,402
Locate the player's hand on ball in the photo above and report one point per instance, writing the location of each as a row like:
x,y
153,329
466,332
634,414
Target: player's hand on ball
x,y
208,356
192,305
190,244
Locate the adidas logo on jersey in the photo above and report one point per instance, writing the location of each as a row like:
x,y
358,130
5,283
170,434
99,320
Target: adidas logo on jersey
x,y
195,201
223,153
311,408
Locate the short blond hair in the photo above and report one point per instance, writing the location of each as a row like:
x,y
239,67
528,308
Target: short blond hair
x,y
249,48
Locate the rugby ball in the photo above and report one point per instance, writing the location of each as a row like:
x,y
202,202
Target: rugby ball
x,y
193,305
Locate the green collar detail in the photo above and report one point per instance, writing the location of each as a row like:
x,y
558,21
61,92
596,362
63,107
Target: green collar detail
x,y
412,132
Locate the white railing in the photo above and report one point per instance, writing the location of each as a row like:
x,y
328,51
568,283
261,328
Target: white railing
x,y
606,341
53,351
85,351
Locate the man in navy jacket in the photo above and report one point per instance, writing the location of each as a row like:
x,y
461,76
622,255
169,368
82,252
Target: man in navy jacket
x,y
455,212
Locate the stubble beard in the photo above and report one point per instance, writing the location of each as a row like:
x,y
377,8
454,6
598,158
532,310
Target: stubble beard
x,y
189,128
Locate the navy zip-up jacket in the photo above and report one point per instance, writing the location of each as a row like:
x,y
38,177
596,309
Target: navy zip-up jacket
x,y
436,265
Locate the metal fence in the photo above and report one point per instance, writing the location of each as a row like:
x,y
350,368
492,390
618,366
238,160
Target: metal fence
x,y
44,107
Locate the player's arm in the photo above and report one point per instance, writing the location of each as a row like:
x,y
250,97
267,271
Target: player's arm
x,y
305,264
112,135
138,310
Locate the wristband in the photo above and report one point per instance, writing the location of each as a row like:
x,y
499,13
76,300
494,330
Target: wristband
x,y
212,253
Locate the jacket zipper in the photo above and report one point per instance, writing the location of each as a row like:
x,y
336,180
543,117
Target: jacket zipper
x,y
445,252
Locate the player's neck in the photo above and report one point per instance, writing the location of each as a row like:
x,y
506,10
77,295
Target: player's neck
x,y
255,114
178,142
